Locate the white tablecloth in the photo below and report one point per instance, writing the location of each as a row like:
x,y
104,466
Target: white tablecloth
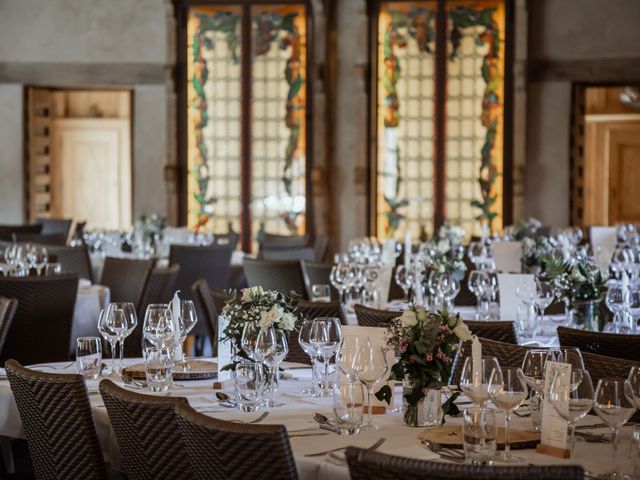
x,y
297,414
90,300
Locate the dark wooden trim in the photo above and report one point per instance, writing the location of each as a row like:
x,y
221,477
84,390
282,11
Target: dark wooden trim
x,y
180,85
440,115
310,225
77,75
614,71
372,118
507,159
245,129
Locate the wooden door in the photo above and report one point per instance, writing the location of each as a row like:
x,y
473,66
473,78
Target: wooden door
x,y
624,174
91,171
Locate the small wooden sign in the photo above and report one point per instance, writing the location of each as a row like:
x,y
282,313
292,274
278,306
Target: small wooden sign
x,y
200,370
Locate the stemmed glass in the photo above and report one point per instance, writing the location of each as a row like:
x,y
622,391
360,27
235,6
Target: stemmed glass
x,y
123,311
526,291
339,278
615,301
477,284
271,349
109,333
325,336
405,278
507,391
614,404
544,298
571,394
533,369
370,366
476,387
570,355
346,354
158,327
305,342
449,288
186,321
477,253
37,257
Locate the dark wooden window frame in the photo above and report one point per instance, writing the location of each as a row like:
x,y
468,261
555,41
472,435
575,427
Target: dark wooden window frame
x,y
440,114
181,10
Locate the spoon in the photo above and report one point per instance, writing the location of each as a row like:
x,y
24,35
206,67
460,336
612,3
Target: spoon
x,y
225,400
131,382
324,422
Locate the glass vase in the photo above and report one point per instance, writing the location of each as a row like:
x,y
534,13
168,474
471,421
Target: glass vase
x,y
427,412
586,315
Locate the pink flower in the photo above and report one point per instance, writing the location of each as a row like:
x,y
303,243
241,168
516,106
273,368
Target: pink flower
x,y
428,357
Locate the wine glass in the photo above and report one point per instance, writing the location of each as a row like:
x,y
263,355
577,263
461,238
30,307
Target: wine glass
x,y
370,366
571,394
474,379
544,297
614,404
158,327
249,338
271,349
309,349
110,336
477,253
339,278
127,312
325,336
449,288
405,279
615,301
571,355
507,391
346,354
533,370
186,321
634,380
477,284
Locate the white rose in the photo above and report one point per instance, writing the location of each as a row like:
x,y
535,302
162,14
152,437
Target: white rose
x,y
421,314
246,295
462,331
443,246
409,319
270,317
287,322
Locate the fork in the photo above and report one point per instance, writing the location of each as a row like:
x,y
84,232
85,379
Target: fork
x,y
257,420
375,446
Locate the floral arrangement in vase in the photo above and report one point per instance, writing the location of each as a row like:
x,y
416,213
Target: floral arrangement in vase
x,y
582,285
525,228
264,308
427,343
535,251
445,251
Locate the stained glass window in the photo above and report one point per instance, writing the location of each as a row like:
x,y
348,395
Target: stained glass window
x,y
472,84
272,161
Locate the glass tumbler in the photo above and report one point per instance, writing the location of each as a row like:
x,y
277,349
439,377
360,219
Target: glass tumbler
x,y
89,357
248,386
348,407
321,293
479,435
158,367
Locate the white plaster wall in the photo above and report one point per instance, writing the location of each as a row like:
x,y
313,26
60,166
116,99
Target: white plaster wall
x,y
11,170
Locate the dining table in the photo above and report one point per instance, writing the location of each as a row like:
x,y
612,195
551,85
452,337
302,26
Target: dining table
x,y
307,438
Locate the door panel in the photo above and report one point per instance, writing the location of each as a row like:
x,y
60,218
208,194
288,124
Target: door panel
x,y
624,154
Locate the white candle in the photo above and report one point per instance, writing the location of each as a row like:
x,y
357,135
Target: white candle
x,y
407,250
175,314
476,359
418,291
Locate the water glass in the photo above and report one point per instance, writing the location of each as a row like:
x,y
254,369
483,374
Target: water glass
x,y
89,357
321,293
248,386
158,367
51,269
526,320
348,407
479,435
635,451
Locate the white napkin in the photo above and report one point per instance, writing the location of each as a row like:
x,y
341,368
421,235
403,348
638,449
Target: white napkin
x,y
509,301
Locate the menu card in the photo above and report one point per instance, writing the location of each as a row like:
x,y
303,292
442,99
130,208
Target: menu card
x,y
603,242
507,256
554,427
224,350
509,301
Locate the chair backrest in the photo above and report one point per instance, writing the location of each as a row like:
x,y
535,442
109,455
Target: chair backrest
x,y
73,260
275,240
7,231
311,309
125,278
56,416
56,226
372,465
288,253
8,308
508,355
209,262
395,290
322,246
318,274
45,311
373,317
607,344
148,434
207,312
235,451
282,276
40,238
158,288
502,331
465,297
230,238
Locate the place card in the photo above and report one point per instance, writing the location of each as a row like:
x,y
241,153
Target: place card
x,y
376,337
553,439
509,301
603,242
507,256
224,350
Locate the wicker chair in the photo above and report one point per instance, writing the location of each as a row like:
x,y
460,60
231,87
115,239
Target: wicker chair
x,y
223,239
273,240
55,226
501,331
220,450
318,274
8,308
608,344
158,288
205,299
508,355
40,238
7,231
125,278
372,317
322,246
372,465
395,290
288,253
282,276
211,263
465,297
45,311
56,416
73,260
322,309
148,434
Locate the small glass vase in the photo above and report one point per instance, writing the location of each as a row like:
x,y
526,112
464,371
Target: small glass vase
x,y
427,412
586,315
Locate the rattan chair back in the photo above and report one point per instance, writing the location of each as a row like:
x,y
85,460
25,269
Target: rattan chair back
x,y
7,231
275,240
73,260
56,226
283,276
371,465
501,331
125,278
607,344
148,434
204,300
8,308
288,253
56,416
209,262
45,311
318,274
221,450
373,317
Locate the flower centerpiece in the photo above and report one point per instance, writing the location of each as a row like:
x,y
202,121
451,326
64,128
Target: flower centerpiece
x,y
426,342
445,251
582,285
150,230
525,228
263,308
535,251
